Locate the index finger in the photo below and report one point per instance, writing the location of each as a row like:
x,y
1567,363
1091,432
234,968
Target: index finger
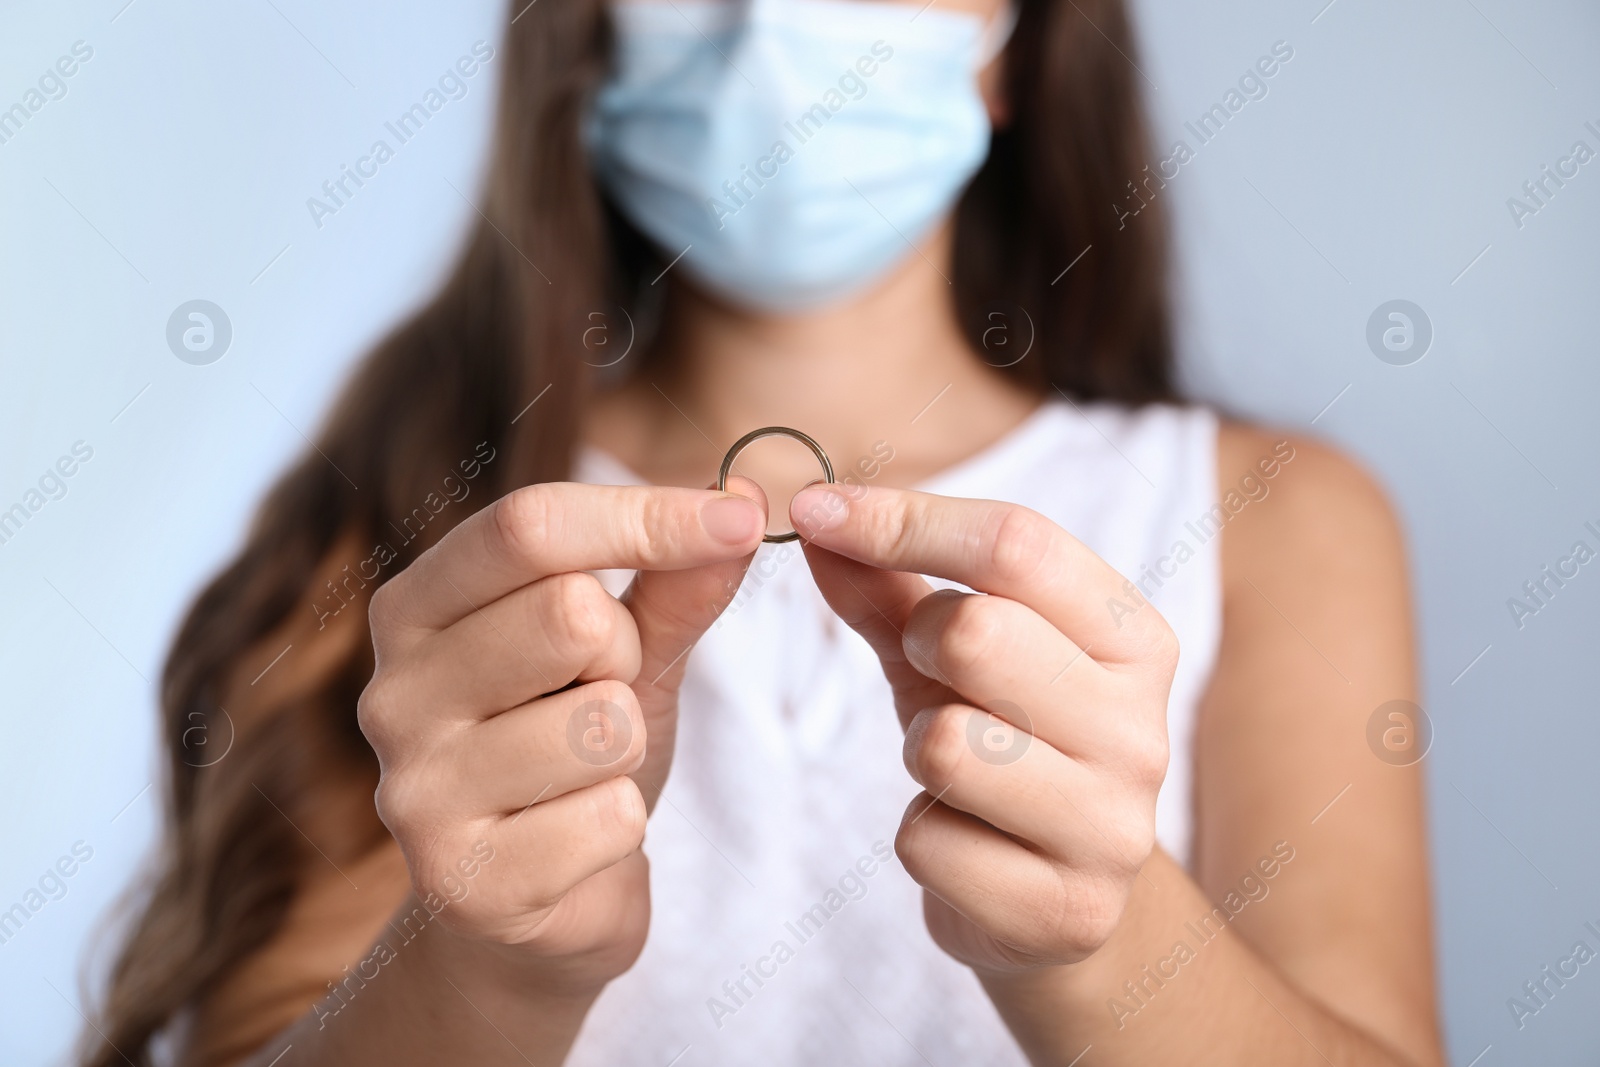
x,y
988,545
556,527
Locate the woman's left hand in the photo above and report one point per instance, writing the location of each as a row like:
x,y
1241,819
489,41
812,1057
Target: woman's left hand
x,y
1035,712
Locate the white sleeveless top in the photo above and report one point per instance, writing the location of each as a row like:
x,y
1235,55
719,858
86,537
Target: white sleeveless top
x,y
783,930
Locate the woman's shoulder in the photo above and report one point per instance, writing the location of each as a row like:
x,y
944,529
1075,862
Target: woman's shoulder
x,y
1306,503
328,929
1317,646
279,685
1315,590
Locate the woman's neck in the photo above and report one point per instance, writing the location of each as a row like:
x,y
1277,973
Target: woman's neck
x,y
890,368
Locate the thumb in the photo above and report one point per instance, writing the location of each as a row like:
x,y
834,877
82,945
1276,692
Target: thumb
x,y
672,610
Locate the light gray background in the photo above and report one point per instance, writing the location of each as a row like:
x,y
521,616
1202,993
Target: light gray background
x,y
1378,167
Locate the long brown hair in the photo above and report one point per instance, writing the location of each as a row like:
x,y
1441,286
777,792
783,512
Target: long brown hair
x,y
507,329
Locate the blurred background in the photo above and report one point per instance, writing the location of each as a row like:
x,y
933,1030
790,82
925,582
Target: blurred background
x,y
1384,161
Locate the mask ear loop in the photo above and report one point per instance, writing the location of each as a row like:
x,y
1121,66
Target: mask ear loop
x,y
997,33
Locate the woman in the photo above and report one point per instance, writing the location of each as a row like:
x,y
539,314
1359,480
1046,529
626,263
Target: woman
x,y
891,226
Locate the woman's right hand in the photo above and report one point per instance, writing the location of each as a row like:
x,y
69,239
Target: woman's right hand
x,y
515,702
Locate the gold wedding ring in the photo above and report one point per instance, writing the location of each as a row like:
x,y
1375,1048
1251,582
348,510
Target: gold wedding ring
x,y
773,431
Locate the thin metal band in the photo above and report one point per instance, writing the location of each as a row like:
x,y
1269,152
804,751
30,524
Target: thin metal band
x,y
773,431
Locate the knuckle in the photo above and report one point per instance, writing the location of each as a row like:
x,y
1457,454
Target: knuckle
x,y
1157,642
940,744
1143,846
1095,928
917,845
618,811
1022,541
381,610
1087,912
436,880
1150,761
584,617
397,805
971,633
522,520
652,528
907,842
386,616
893,527
620,693
1166,648
1137,759
1135,837
375,712
620,697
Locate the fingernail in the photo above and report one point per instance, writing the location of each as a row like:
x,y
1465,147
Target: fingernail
x,y
733,520
818,508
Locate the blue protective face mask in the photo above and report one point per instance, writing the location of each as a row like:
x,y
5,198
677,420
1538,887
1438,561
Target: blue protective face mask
x,y
796,148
